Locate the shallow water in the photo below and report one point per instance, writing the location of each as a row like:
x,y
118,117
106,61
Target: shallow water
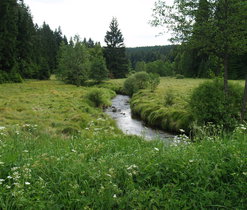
x,y
120,111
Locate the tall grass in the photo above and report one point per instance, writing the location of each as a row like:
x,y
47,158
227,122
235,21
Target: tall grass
x,y
53,106
106,172
168,106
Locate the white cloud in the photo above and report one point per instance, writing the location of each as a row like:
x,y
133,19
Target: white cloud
x,y
91,18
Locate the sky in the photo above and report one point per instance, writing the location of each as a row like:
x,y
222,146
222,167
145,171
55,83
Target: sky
x,y
91,19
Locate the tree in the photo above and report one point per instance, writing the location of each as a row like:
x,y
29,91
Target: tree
x,y
24,47
140,66
114,53
99,71
73,63
8,34
214,26
114,37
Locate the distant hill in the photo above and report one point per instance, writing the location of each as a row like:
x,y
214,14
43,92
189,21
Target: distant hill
x,y
149,54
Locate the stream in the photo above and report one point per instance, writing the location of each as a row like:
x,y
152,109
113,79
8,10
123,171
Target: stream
x,y
120,111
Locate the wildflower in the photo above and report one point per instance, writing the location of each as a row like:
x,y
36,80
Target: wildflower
x,y
114,196
182,130
2,127
132,167
155,148
191,161
25,151
8,187
73,150
9,177
27,183
1,181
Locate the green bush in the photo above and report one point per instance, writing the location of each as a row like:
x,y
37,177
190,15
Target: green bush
x,y
179,76
4,78
100,97
140,80
209,103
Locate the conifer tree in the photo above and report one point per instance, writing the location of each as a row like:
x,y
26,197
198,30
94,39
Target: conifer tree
x,y
115,54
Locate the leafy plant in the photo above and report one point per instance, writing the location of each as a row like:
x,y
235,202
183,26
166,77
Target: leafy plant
x,y
140,80
209,103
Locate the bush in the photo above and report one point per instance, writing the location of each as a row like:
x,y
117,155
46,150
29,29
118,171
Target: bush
x,y
3,77
209,103
140,80
179,76
100,97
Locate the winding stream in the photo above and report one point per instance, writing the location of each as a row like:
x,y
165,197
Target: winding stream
x,y
120,111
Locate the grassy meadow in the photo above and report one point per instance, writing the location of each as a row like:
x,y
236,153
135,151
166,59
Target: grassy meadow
x,y
167,107
59,151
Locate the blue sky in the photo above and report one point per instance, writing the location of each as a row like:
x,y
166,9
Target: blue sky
x,y
91,18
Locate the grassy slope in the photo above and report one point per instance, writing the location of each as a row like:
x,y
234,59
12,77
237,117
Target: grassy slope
x,y
100,168
54,107
154,109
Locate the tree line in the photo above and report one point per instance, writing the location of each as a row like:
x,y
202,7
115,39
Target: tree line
x,y
26,50
29,51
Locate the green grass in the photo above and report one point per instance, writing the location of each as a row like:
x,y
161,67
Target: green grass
x,y
106,172
154,109
58,152
53,106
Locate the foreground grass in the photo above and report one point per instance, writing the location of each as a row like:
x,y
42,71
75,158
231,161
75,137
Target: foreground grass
x,y
106,172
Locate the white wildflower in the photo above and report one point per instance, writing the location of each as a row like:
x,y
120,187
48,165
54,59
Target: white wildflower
x,y
182,130
2,127
114,196
155,148
25,151
132,167
191,161
27,183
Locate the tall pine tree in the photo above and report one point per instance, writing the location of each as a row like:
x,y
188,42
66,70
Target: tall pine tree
x,y
116,59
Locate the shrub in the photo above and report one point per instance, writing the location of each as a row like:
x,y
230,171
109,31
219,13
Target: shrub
x,y
140,80
179,76
209,103
3,77
100,97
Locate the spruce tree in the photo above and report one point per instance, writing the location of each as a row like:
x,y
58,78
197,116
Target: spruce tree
x,y
115,54
8,35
